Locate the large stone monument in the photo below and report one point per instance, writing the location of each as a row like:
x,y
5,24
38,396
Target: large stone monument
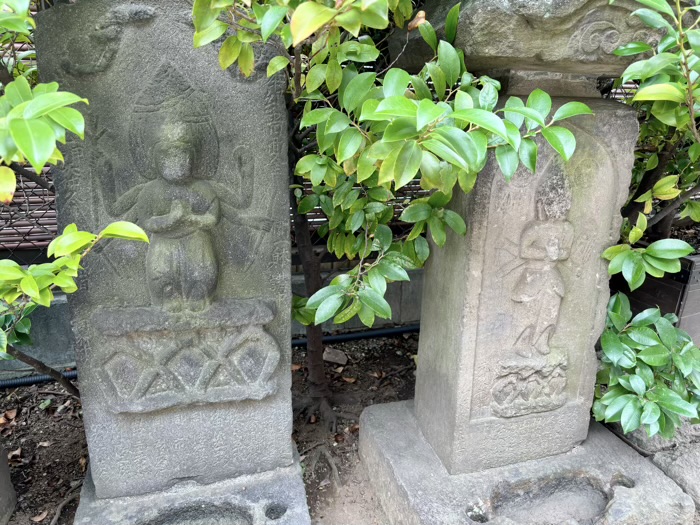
x,y
183,344
500,428
8,498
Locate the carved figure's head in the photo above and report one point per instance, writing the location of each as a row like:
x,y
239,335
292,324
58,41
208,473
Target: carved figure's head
x,y
175,154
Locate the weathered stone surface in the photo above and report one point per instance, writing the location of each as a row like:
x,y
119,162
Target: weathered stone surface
x,y
682,464
270,498
183,344
8,499
601,482
565,36
686,434
52,341
512,311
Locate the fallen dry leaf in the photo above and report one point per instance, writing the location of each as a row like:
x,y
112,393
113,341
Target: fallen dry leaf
x,y
45,444
83,464
11,414
15,454
417,21
40,517
339,370
296,367
350,379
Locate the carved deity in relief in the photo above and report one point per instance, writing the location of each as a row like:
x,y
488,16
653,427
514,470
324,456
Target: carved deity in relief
x,y
544,243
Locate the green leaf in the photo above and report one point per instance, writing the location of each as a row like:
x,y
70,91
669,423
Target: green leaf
x,y
316,77
670,92
334,76
10,271
652,19
437,75
407,163
395,83
613,348
561,139
391,271
422,249
350,142
572,109
669,249
508,160
437,231
70,243
449,62
124,230
651,413
488,98
416,212
308,18
671,401
316,116
483,119
328,308
455,222
44,104
35,139
428,112
271,20
324,293
540,102
638,385
357,89
631,415
528,154
658,5
377,281
657,355
277,64
215,31
647,317
633,48
428,33
397,107
29,286
375,302
451,23
614,410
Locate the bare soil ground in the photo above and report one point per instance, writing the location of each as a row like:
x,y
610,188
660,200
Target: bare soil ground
x,y
41,429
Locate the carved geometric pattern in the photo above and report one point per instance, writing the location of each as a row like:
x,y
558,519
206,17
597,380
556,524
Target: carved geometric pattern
x,y
148,371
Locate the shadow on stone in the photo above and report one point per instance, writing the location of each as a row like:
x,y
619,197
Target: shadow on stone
x,y
199,514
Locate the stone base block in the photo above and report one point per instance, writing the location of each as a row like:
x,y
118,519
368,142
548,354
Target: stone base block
x,y
8,499
601,482
682,465
271,498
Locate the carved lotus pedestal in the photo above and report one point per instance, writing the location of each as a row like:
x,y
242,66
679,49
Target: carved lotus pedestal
x,y
500,430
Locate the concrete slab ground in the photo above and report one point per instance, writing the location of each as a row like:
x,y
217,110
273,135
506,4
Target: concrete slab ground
x,y
600,482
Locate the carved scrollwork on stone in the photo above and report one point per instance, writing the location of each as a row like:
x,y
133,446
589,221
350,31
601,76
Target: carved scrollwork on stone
x,y
155,360
105,39
528,387
603,30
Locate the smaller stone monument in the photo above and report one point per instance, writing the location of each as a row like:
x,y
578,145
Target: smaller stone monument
x,y
8,499
500,429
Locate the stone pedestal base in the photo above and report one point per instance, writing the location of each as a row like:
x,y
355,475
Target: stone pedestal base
x,y
8,499
601,482
271,498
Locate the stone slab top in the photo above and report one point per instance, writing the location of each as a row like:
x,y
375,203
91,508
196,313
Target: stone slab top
x,y
562,36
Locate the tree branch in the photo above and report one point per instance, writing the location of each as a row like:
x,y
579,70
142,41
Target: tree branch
x,y
36,179
43,369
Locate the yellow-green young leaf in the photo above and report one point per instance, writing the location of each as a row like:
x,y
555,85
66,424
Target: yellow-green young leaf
x,y
229,52
635,235
428,112
70,243
316,77
35,140
670,92
71,119
246,60
10,271
277,64
428,33
350,142
375,13
124,230
203,15
357,89
8,183
49,102
211,33
308,18
29,286
351,21
572,109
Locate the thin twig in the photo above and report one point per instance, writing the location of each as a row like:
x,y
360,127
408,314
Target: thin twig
x,y
63,504
44,369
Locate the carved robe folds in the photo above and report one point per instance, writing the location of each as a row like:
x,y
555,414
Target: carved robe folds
x,y
183,344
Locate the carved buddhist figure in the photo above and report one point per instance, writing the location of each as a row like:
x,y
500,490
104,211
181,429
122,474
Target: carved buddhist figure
x,y
179,211
544,243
